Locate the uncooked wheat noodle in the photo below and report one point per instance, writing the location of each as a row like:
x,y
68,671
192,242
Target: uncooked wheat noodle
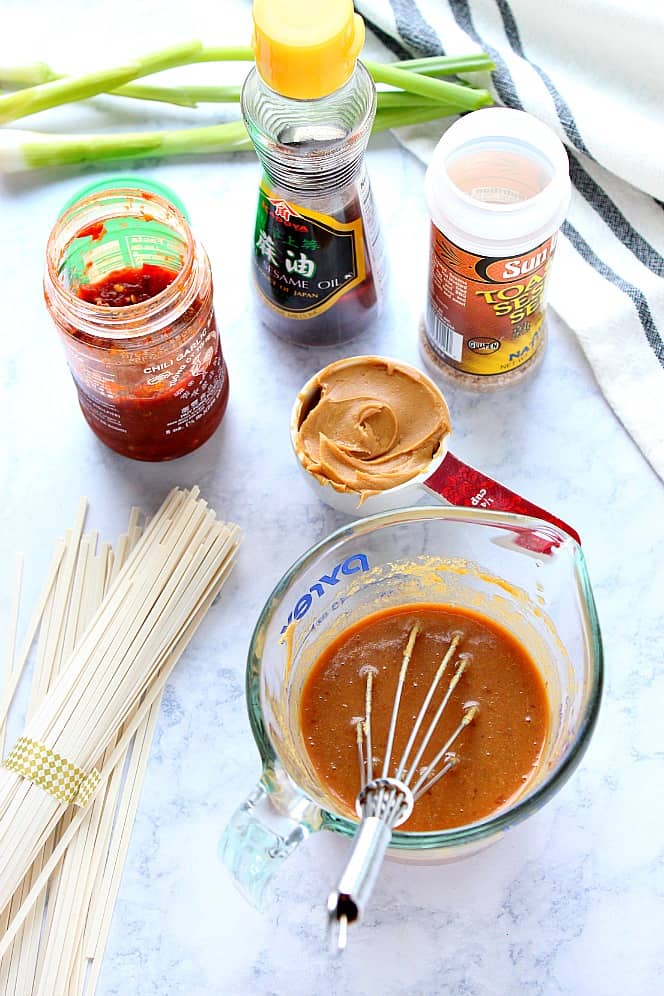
x,y
152,607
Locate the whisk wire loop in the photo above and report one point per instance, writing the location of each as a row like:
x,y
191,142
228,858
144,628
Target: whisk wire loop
x,y
384,803
451,761
425,705
367,722
454,681
359,738
422,785
407,654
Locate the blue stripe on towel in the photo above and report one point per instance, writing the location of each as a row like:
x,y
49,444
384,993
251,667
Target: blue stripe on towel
x,y
584,183
639,299
505,88
415,31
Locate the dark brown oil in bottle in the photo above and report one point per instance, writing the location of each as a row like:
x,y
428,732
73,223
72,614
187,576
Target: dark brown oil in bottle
x,y
317,260
348,259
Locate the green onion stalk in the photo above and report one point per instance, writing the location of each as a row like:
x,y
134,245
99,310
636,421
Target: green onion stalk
x,y
417,94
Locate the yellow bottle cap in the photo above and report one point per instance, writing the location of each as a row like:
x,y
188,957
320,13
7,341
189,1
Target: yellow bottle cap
x,y
306,49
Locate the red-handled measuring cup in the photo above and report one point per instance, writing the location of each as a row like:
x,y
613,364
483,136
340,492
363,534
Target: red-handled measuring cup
x,y
446,478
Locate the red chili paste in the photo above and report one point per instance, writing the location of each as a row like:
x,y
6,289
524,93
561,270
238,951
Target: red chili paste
x,y
96,231
172,401
129,286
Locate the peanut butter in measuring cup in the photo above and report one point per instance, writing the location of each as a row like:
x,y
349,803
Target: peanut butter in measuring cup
x,y
367,426
370,434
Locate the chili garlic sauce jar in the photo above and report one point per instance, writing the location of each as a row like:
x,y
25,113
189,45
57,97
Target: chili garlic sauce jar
x,y
498,190
130,291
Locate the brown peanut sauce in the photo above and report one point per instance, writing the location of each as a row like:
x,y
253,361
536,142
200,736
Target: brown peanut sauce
x,y
498,752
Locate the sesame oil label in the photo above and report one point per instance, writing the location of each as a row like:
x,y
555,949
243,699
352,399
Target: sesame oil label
x,y
304,261
484,314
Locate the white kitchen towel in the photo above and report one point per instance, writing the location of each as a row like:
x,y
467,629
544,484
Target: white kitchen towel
x,y
592,71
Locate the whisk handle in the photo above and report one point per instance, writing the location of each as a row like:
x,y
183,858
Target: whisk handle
x,y
348,901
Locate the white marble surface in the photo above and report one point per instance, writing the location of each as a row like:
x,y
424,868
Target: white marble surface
x,y
572,901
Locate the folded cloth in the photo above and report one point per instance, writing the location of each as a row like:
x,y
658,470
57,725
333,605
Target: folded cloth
x,y
592,72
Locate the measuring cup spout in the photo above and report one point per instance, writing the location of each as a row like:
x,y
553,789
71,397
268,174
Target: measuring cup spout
x,y
263,831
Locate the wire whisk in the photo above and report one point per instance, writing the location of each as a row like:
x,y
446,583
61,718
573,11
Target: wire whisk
x,y
385,801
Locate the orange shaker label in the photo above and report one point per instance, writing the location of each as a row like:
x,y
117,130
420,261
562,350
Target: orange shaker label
x,y
485,313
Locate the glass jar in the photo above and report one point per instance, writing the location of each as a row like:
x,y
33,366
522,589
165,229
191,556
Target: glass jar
x,y
130,291
309,106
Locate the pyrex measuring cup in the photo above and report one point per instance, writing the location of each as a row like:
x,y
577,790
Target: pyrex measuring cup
x,y
473,558
446,477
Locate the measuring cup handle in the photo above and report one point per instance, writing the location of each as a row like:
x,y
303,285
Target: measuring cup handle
x,y
462,485
263,831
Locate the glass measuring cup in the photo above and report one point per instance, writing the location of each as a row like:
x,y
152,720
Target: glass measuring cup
x,y
483,560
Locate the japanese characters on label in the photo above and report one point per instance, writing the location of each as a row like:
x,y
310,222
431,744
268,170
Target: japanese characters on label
x,y
304,261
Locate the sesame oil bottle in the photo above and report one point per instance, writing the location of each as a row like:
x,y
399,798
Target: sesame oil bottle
x,y
309,105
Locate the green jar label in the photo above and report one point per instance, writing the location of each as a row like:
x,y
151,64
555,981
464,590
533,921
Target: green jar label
x,y
304,261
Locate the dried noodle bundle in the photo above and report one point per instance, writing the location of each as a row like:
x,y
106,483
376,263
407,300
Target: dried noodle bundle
x,y
113,627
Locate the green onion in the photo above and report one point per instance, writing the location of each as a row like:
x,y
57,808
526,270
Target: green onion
x,y
17,76
386,120
56,92
447,65
465,98
184,96
73,88
33,150
20,150
238,53
13,77
416,95
396,100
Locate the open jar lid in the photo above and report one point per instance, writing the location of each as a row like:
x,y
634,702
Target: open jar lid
x,y
121,222
498,182
126,182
